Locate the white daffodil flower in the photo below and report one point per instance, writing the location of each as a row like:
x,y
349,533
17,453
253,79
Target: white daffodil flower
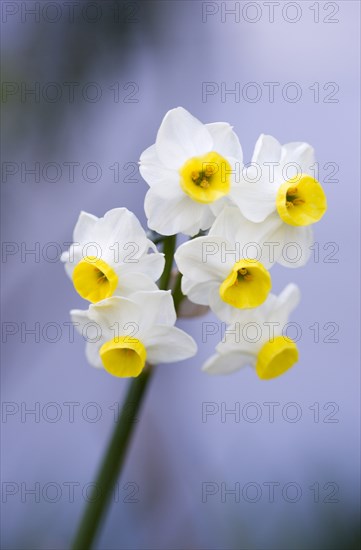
x,y
189,169
259,340
279,183
110,256
228,269
125,333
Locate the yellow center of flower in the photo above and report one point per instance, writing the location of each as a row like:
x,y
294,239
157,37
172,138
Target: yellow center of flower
x,y
247,285
275,357
124,356
206,179
301,201
94,279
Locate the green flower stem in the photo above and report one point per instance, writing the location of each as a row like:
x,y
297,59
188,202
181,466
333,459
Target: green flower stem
x,y
112,463
178,295
168,249
115,455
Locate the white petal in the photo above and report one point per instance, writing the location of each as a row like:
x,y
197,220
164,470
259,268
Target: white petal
x,y
284,304
169,344
83,233
84,227
156,174
199,293
225,141
267,149
79,318
117,316
294,245
170,189
180,137
243,335
207,217
69,266
92,354
120,235
300,153
228,224
130,282
230,314
226,312
247,334
73,255
171,216
157,307
217,206
151,265
203,222
227,363
256,200
149,156
201,260
64,256
248,238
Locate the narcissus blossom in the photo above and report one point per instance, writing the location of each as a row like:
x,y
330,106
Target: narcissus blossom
x,y
256,217
111,256
279,182
258,339
190,169
132,331
228,269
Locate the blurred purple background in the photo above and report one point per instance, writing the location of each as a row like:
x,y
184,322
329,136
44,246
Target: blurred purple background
x,y
159,53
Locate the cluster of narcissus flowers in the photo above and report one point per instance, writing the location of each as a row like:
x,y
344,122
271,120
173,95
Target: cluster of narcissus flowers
x,y
242,219
114,265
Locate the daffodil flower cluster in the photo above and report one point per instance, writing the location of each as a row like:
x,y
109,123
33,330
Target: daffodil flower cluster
x,y
241,220
114,265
